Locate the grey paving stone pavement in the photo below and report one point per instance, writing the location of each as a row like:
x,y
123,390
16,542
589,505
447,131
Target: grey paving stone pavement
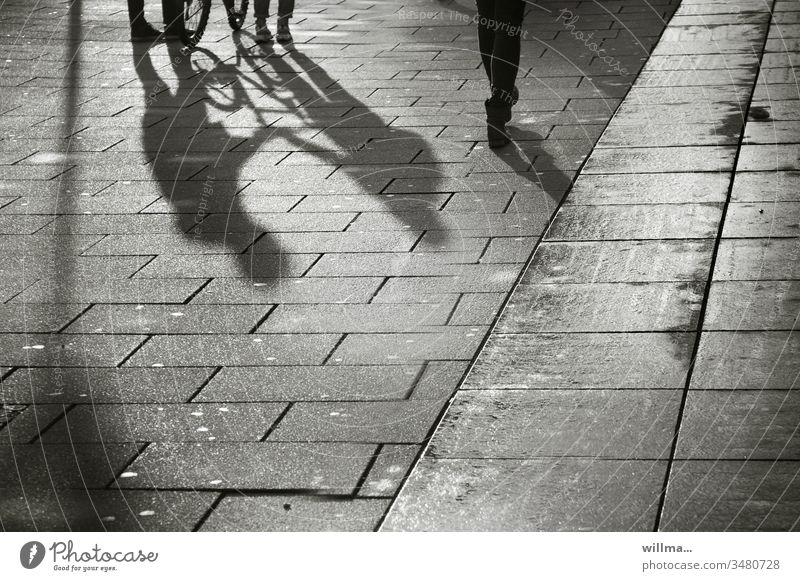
x,y
241,289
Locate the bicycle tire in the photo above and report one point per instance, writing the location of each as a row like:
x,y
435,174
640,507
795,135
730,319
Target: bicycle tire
x,y
237,12
195,20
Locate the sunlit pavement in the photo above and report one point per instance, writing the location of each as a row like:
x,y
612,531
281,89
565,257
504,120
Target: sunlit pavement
x,y
241,288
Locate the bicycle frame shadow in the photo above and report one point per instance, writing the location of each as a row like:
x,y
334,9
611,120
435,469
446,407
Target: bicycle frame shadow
x,y
333,144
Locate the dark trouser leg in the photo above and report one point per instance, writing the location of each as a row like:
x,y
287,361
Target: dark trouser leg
x,y
504,21
261,9
285,8
173,16
136,12
486,34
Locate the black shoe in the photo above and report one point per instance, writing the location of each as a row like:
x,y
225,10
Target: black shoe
x,y
144,32
496,118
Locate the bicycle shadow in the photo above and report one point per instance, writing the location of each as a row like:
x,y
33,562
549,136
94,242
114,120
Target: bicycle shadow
x,y
199,179
362,147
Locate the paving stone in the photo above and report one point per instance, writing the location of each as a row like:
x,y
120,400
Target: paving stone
x,y
33,318
732,496
542,308
515,224
486,278
755,360
477,309
395,263
753,306
635,222
62,466
404,348
351,241
534,424
767,186
649,188
758,259
658,160
228,266
104,510
260,291
324,467
771,132
102,385
276,222
43,350
583,361
529,495
169,319
739,425
389,470
23,224
774,157
295,513
76,267
765,220
62,290
165,423
46,244
371,318
171,244
96,205
380,422
241,350
307,383
621,261
652,134
24,426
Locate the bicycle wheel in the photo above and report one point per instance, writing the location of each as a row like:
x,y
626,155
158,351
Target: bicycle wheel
x,y
195,19
237,11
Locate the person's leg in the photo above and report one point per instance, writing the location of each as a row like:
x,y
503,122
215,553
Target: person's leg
x,y
506,50
140,29
173,18
261,11
285,12
486,34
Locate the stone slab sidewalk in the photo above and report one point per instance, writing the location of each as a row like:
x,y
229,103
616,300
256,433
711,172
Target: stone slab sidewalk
x,y
643,375
240,289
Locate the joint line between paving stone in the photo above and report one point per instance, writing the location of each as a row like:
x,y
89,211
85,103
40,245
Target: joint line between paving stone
x,y
198,291
212,507
133,352
75,318
204,383
274,425
151,258
65,409
262,319
709,280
